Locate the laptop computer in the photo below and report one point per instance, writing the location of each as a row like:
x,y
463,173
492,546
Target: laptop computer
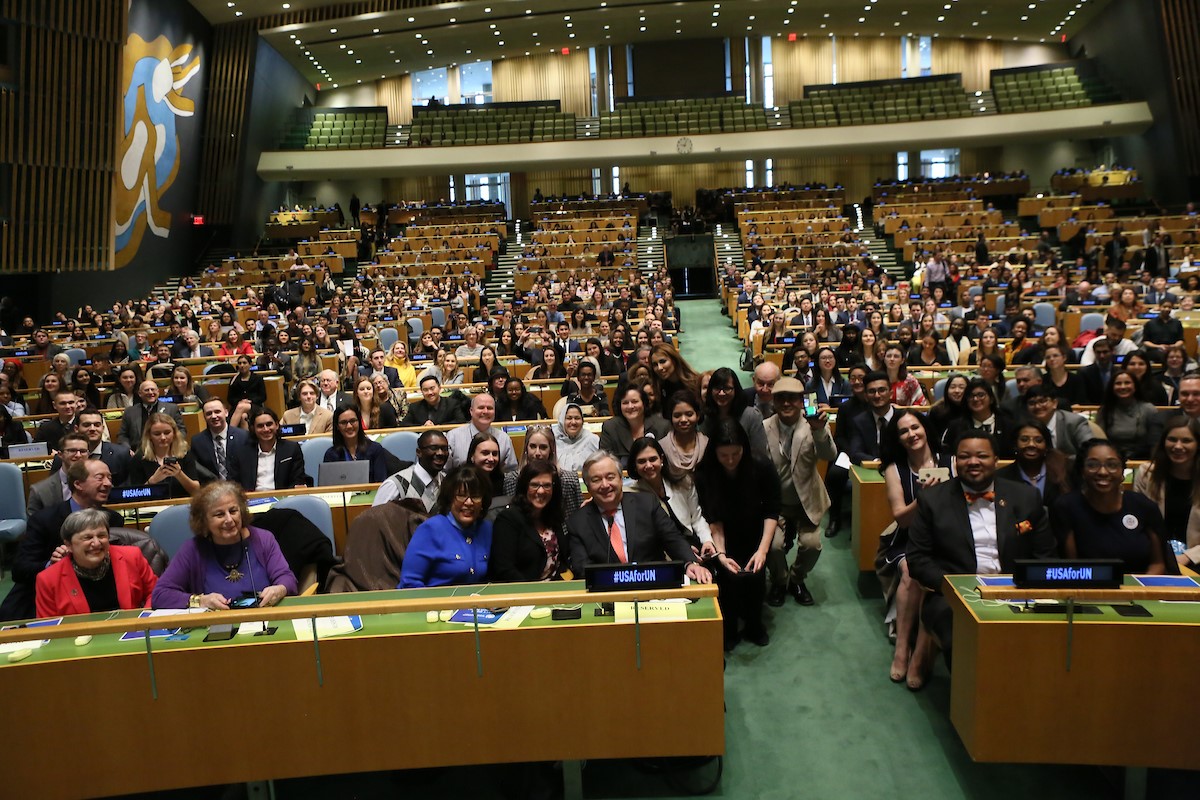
x,y
343,473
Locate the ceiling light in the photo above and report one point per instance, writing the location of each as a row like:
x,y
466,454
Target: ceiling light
x,y
237,13
412,19
333,30
286,6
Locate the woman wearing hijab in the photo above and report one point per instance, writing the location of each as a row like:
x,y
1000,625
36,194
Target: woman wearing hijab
x,y
573,441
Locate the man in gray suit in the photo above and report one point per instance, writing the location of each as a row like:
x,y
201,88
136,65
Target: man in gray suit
x,y
130,433
1068,430
56,488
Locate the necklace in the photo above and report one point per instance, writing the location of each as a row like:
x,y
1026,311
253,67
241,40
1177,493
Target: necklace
x,y
235,574
93,574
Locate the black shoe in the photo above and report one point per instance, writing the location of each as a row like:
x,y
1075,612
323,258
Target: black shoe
x,y
832,531
731,642
760,639
776,596
801,593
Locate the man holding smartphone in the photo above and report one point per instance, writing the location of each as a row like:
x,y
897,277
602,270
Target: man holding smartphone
x,y
797,435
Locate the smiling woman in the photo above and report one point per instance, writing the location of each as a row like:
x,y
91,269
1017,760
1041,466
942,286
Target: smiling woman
x,y
454,546
226,560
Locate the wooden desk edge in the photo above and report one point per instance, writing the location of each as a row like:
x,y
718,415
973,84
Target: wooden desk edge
x,y
288,611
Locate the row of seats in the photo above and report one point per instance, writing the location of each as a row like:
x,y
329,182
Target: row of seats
x,y
474,125
876,103
336,130
679,117
1048,89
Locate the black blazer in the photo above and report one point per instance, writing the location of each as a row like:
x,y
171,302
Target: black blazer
x,y
864,436
1093,384
517,550
289,466
448,412
1005,431
940,541
649,532
1013,473
236,440
252,388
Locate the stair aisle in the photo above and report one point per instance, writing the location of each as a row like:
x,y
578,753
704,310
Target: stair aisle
x,y
500,281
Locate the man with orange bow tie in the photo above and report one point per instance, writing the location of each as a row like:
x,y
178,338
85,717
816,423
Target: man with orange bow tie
x,y
975,523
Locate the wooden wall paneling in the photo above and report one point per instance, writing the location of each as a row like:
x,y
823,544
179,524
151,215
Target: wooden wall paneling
x,y
1181,22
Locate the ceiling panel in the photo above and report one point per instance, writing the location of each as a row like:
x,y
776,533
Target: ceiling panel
x,y
350,49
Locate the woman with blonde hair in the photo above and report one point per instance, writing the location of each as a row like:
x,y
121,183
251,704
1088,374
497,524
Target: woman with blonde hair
x,y
163,456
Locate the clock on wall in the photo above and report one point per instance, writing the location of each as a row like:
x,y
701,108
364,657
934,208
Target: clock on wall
x,y
684,145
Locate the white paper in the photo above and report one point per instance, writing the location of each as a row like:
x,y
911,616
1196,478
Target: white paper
x,y
326,626
513,617
12,647
842,461
251,628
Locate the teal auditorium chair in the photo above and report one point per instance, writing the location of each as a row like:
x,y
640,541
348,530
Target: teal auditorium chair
x,y
12,507
314,454
315,509
170,528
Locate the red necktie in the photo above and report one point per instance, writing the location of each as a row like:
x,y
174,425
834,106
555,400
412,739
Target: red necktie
x,y
973,496
614,538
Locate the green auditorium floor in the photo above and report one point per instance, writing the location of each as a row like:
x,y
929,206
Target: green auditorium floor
x,y
811,716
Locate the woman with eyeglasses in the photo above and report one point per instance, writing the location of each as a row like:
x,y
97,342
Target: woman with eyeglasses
x,y
350,443
1101,520
453,547
527,536
984,412
1038,463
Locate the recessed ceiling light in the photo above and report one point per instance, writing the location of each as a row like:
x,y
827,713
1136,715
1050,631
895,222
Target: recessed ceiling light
x,y
286,6
333,30
237,13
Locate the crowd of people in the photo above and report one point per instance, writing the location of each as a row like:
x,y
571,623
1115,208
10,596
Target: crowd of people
x,y
687,464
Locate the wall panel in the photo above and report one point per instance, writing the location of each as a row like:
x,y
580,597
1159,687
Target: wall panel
x,y
58,135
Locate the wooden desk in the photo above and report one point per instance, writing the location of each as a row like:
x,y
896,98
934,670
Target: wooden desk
x,y
1013,697
871,514
620,687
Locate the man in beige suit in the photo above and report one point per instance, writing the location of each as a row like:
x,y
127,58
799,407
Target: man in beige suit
x,y
795,442
315,418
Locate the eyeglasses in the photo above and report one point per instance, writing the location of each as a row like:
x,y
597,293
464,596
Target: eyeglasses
x,y
1096,466
75,451
347,422
436,448
541,487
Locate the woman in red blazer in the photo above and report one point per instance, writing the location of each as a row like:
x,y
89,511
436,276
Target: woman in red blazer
x,y
90,574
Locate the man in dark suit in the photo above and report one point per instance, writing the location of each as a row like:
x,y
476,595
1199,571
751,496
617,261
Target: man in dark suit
x,y
564,342
1095,376
623,528
331,397
130,433
865,427
973,524
41,545
51,431
90,422
218,447
269,462
188,346
432,408
376,365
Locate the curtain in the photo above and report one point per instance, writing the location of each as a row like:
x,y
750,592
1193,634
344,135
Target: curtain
x,y
868,59
974,58
395,94
549,77
798,64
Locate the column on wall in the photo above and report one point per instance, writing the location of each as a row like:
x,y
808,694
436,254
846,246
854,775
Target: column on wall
x,y
619,67
603,70
737,65
755,57
453,90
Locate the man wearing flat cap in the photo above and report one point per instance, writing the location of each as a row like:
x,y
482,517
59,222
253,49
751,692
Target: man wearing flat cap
x,y
795,442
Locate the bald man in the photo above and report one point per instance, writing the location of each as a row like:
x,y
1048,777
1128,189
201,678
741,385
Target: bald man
x,y
483,412
759,395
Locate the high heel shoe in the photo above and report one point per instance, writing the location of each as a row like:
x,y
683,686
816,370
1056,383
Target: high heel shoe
x,y
899,676
919,668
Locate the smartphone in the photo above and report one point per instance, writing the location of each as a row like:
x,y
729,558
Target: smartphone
x,y
810,406
170,461
245,602
939,474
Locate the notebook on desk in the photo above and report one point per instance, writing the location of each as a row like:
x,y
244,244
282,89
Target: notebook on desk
x,y
343,473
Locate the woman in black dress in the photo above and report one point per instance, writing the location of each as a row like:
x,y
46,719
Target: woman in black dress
x,y
527,536
245,385
740,498
1100,520
906,448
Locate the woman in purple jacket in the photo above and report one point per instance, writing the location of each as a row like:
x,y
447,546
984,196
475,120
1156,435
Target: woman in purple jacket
x,y
227,560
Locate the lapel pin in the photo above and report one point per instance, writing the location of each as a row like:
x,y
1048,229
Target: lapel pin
x,y
1001,503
